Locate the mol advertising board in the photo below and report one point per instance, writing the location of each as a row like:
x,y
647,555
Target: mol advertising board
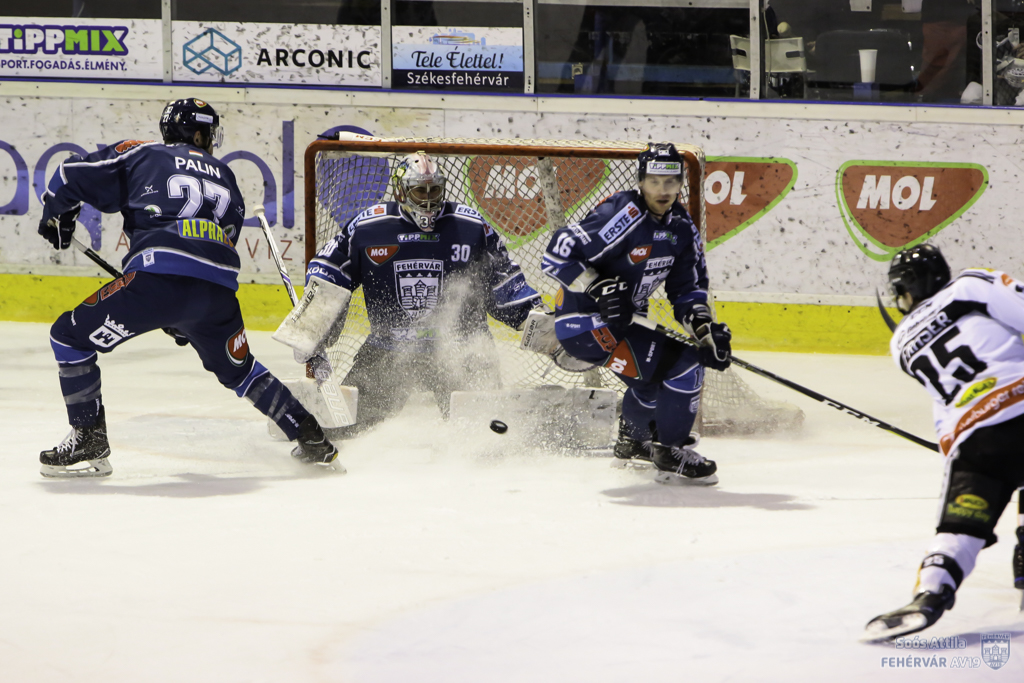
x,y
457,58
317,54
80,48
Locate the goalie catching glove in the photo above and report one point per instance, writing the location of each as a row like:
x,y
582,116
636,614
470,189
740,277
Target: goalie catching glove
x,y
714,338
316,320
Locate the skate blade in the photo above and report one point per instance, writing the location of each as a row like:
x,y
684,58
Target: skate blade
x,y
633,464
877,631
87,468
673,479
335,467
1022,601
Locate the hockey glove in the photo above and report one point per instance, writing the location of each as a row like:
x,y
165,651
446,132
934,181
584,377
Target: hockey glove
x,y
613,299
714,338
59,229
715,349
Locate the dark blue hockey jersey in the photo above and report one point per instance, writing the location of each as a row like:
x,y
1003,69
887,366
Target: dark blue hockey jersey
x,y
619,238
461,271
182,208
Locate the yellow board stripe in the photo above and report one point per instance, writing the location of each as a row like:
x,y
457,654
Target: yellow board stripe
x,y
797,328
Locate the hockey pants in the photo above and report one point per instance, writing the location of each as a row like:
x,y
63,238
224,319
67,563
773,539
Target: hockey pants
x,y
206,313
664,377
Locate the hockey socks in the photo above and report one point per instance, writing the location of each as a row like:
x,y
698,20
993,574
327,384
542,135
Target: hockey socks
x,y
80,385
273,399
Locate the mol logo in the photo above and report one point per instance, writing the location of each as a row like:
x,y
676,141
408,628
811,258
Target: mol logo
x,y
888,206
509,191
739,190
380,255
237,348
49,39
640,253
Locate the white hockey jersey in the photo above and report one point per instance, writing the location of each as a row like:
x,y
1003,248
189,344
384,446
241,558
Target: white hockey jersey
x,y
964,345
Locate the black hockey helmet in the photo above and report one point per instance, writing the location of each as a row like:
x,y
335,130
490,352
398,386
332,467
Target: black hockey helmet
x,y
182,118
917,274
659,158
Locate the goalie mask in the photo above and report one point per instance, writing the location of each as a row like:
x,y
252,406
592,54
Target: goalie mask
x,y
917,274
181,120
419,188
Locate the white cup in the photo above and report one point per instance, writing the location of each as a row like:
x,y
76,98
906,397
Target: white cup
x,y
867,65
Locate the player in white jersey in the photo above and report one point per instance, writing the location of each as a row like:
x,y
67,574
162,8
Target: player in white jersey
x,y
961,339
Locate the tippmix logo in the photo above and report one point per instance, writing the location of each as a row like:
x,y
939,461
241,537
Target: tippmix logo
x,y
29,39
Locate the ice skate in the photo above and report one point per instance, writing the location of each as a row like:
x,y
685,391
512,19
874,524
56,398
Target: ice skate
x,y
681,465
922,612
82,454
314,448
630,453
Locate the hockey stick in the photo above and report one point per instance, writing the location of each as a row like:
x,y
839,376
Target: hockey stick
x,y
179,338
330,388
831,403
889,322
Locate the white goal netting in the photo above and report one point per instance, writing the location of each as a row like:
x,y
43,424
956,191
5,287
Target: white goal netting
x,y
525,189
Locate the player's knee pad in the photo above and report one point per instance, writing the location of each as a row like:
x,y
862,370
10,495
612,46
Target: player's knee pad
x,y
972,505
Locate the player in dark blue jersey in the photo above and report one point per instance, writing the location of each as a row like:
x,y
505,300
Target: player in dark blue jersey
x,y
182,215
608,265
430,271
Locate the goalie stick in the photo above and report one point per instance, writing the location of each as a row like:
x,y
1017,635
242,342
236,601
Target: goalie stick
x,y
179,338
330,388
831,403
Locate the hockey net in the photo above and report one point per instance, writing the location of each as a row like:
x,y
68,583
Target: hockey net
x,y
525,189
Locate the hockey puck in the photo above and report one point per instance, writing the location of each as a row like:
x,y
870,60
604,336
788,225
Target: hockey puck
x,y
498,427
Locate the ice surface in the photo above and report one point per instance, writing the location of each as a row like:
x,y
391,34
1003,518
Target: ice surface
x,y
209,557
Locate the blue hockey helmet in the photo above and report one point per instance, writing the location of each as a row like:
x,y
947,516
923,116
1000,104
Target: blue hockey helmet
x,y
659,158
917,274
182,118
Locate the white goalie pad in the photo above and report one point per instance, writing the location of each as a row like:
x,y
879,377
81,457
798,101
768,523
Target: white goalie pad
x,y
539,333
550,416
308,325
305,390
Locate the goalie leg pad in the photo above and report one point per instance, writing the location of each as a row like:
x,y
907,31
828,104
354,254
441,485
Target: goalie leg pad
x,y
320,311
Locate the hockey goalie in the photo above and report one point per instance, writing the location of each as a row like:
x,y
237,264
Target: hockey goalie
x,y
431,271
